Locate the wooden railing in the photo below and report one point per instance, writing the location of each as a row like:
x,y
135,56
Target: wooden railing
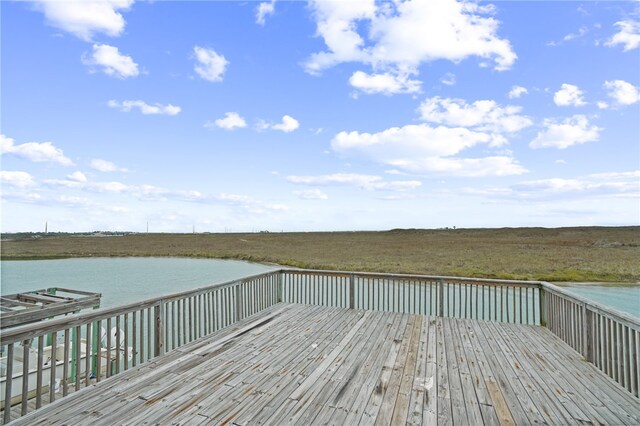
x,y
607,338
66,354
140,331
497,300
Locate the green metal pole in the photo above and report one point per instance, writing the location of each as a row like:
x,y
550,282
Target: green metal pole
x,y
95,348
75,341
51,291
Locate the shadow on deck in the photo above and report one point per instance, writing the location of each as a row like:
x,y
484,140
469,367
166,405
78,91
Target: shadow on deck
x,y
303,364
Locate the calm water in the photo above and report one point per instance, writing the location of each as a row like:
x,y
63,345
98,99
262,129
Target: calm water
x,y
122,280
625,298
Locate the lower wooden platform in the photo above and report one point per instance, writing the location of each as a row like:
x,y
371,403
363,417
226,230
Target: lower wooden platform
x,y
305,364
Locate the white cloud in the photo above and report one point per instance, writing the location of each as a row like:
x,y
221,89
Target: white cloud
x,y
615,184
385,83
145,108
263,10
368,182
399,36
234,198
414,140
571,36
311,194
66,183
467,167
628,35
571,131
77,177
425,149
16,179
84,19
155,193
105,166
22,196
111,61
585,185
210,65
287,125
113,187
483,114
230,121
617,175
142,192
517,91
249,204
569,95
448,79
74,201
622,92
44,152
602,105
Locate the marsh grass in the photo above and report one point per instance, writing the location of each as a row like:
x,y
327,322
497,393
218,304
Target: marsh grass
x,y
559,254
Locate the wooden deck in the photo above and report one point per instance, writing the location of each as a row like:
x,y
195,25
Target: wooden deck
x,y
306,364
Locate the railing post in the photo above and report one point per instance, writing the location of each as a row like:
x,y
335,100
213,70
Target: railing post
x,y
587,333
159,328
7,393
441,297
238,302
25,374
279,286
352,291
543,306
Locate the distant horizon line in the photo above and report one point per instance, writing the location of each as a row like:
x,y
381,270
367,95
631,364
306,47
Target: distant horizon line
x,y
446,228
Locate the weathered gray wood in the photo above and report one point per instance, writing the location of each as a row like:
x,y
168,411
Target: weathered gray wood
x,y
430,408
476,368
314,365
416,404
609,393
500,386
554,382
444,413
373,384
456,396
350,404
7,393
40,363
260,392
337,376
276,389
550,409
400,411
25,373
470,402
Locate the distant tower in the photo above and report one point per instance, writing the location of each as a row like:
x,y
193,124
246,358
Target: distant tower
x,y
147,227
46,227
194,229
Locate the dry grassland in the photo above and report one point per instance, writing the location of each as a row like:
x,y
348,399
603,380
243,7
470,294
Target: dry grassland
x,y
558,254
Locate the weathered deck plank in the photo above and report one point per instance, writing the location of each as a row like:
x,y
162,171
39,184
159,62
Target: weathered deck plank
x,y
304,364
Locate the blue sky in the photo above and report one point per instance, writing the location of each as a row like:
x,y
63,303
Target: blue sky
x,y
318,116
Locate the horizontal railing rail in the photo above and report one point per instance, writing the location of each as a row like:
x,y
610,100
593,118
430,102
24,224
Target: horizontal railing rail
x,y
61,355
606,337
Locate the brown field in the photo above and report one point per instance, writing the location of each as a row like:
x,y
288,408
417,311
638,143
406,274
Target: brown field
x,y
558,254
